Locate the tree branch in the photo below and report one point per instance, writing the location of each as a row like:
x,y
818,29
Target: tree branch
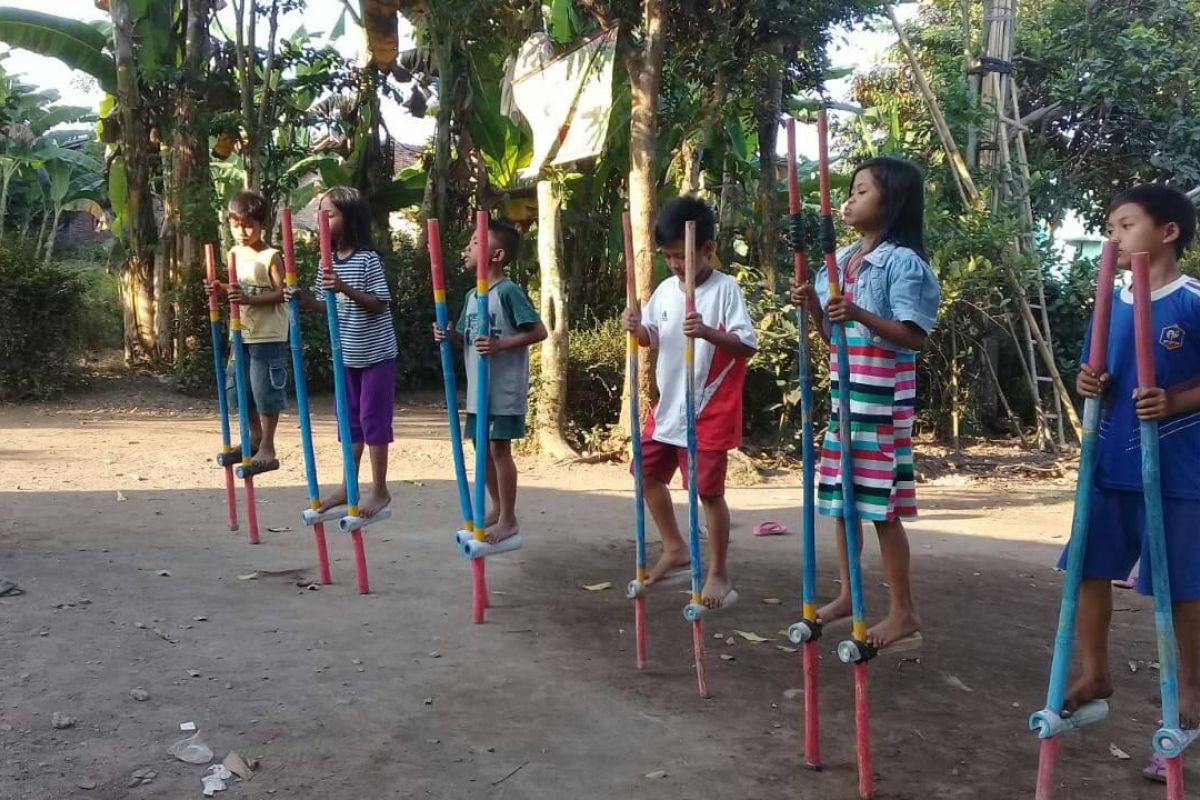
x,y
1038,113
270,65
601,14
353,14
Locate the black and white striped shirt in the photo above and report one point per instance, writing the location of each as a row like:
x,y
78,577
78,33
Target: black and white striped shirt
x,y
366,338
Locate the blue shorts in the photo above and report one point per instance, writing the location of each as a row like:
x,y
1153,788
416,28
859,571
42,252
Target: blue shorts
x,y
1117,539
267,371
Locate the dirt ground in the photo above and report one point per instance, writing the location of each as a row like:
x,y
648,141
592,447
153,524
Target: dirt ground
x,y
397,695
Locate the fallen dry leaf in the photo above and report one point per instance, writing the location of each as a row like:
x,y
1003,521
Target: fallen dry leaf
x,y
785,649
598,587
235,764
772,601
658,774
750,636
278,530
249,576
1118,752
956,682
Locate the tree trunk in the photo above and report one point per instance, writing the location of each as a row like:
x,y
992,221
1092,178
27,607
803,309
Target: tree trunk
x,y
137,283
6,174
51,235
552,393
769,102
644,67
427,203
41,234
441,147
245,28
690,158
189,210
725,218
955,405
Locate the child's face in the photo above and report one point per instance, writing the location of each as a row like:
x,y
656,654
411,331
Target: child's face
x,y
472,250
1137,232
676,255
335,220
863,209
246,232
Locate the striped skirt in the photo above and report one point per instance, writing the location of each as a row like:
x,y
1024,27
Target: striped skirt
x,y
883,388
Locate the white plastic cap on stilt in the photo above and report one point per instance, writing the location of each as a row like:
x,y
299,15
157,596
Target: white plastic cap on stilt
x,y
473,548
351,524
310,516
694,611
800,632
1049,724
1171,742
635,589
463,536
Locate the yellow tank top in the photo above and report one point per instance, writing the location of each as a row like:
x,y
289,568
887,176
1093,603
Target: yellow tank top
x,y
259,323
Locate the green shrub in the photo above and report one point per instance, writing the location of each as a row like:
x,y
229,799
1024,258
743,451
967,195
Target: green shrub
x,y
44,323
596,372
101,324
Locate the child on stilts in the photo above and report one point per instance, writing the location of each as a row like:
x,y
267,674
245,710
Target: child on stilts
x,y
889,305
515,327
1161,222
368,339
725,340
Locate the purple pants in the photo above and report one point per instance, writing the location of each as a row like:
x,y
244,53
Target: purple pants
x,y
371,395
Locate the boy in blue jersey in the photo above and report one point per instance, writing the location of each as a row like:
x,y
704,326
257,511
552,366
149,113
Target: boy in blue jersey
x,y
1160,221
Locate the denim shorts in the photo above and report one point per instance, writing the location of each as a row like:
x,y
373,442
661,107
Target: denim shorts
x,y
267,371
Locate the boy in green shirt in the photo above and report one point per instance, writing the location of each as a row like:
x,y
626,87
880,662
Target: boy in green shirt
x,y
515,326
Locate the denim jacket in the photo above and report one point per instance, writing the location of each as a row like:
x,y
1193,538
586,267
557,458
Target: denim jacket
x,y
894,283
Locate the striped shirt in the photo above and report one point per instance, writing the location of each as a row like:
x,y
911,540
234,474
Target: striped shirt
x,y
366,338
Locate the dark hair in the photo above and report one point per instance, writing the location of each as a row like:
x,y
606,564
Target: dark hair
x,y
251,205
903,189
356,217
507,236
677,212
1164,204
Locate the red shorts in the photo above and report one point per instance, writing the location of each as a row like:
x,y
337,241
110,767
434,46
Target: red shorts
x,y
659,461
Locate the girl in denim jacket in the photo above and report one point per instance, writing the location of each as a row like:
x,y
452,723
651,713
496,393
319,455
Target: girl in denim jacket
x,y
889,304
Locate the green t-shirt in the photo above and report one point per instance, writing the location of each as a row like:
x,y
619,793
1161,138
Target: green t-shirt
x,y
510,311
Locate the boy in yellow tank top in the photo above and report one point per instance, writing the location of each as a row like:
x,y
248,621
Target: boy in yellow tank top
x,y
259,292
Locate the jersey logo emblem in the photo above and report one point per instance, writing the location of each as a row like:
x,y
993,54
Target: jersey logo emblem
x,y
1171,337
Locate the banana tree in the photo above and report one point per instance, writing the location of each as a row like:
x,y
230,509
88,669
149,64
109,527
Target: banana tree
x,y
69,189
79,45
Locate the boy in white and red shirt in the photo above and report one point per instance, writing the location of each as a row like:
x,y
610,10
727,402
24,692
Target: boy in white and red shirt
x,y
725,338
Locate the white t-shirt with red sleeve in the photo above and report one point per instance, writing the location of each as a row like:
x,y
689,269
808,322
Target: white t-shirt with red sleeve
x,y
720,375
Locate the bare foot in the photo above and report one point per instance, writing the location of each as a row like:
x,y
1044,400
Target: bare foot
x,y
668,562
893,628
493,516
837,610
338,498
1087,688
502,530
716,589
264,455
374,504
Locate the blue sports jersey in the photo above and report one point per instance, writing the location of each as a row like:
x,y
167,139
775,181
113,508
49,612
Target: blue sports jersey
x,y
1175,326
